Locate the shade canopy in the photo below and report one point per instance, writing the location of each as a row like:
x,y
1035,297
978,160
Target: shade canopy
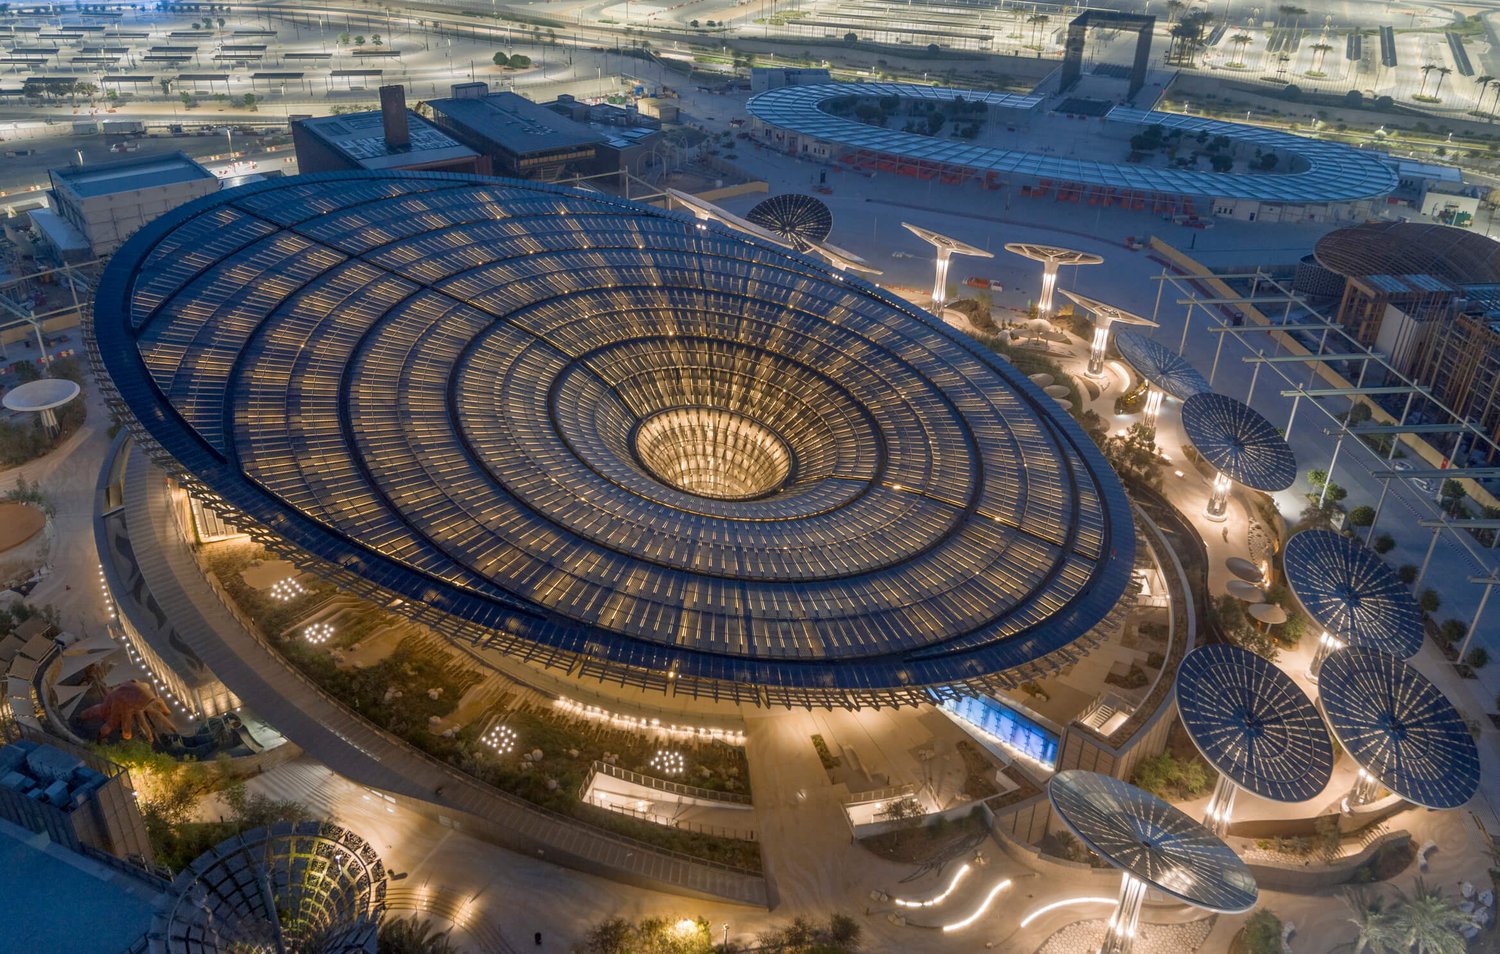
x,y
1268,613
1239,442
43,394
1248,592
1053,253
1150,840
1352,593
1105,314
1244,569
1160,365
1399,727
947,242
1253,724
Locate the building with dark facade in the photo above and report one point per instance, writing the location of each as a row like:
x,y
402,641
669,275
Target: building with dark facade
x,y
392,137
604,438
46,789
519,138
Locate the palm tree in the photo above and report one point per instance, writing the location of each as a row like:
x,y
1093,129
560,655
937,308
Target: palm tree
x,y
1442,71
1428,923
409,935
1036,20
1426,70
1240,40
1483,82
1174,7
1376,925
1320,50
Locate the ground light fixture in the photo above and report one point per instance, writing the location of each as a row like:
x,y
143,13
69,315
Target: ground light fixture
x,y
500,738
669,762
1254,725
1051,257
1240,444
1154,845
1353,597
946,247
1166,372
1405,734
1104,316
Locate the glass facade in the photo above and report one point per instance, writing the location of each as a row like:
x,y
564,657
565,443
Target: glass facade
x,y
1011,729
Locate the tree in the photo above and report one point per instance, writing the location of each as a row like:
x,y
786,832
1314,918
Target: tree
x,y
1442,72
1362,516
412,935
501,59
1427,922
187,100
1384,543
1375,926
1036,20
1240,40
1321,50
166,86
1134,456
1426,75
221,23
359,40
343,39
1430,601
375,39
248,101
519,62
849,38
1263,933
1483,82
1221,162
1451,494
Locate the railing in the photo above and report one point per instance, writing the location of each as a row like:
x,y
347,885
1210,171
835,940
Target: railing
x,y
880,794
663,785
718,831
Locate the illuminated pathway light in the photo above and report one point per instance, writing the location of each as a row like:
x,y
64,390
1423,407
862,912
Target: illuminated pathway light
x,y
1066,902
958,876
318,633
979,912
501,738
669,762
946,249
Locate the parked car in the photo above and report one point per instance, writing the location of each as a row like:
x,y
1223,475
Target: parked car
x,y
990,283
1422,483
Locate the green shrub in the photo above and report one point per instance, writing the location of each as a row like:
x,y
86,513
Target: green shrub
x,y
1263,933
1477,657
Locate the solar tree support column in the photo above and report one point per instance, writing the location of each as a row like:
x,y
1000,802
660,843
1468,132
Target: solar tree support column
x,y
1363,791
1218,497
1099,346
940,280
1220,805
1119,935
1154,398
1049,285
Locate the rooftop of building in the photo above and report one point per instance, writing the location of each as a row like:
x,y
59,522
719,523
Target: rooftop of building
x,y
130,175
1451,255
59,901
47,774
360,137
515,123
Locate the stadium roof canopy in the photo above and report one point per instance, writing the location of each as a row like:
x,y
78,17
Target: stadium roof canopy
x,y
1452,254
602,436
1326,171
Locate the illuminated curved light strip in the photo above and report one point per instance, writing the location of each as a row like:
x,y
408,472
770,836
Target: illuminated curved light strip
x,y
1063,904
979,913
958,876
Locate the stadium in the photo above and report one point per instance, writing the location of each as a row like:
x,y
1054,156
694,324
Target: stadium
x,y
609,439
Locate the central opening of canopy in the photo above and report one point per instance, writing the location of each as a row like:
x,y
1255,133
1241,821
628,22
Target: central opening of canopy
x,y
711,452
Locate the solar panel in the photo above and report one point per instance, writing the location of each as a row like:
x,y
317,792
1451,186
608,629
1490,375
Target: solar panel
x,y
1151,840
1160,365
1396,724
801,218
1236,440
1253,724
1352,593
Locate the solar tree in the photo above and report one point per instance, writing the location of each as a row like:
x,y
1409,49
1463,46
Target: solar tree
x,y
1253,724
1351,595
1154,845
1240,444
1404,733
1166,372
946,248
800,219
1104,317
1051,257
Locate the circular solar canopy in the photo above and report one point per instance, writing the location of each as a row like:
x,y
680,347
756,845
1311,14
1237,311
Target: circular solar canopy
x,y
1253,724
1160,365
1149,839
43,394
801,218
598,435
1352,593
1399,727
1234,438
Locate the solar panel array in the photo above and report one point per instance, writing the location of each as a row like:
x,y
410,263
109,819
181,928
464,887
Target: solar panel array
x,y
1140,834
1160,365
1253,724
1327,171
439,381
1396,724
1234,438
801,218
1352,593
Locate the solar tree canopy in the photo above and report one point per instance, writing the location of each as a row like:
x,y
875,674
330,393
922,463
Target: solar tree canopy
x,y
1239,442
1053,253
1348,590
1253,724
1160,365
1105,312
1153,841
946,242
801,219
602,436
1396,724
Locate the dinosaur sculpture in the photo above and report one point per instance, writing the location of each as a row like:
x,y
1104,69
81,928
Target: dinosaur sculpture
x,y
126,707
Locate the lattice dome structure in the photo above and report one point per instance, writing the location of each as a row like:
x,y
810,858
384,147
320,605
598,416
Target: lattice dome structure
x,y
292,888
608,438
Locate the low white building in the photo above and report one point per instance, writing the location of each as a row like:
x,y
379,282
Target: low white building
x,y
95,208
